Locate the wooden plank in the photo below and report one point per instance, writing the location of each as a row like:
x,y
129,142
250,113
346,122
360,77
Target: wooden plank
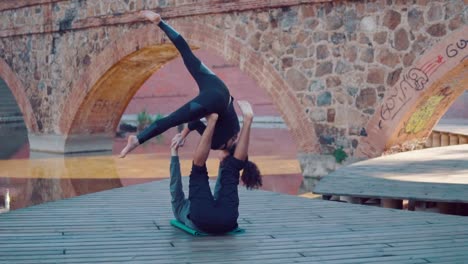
x,y
436,174
132,225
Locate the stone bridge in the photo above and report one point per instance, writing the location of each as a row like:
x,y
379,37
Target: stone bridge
x,y
362,75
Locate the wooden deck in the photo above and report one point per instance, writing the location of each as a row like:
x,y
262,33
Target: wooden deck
x,y
131,225
434,174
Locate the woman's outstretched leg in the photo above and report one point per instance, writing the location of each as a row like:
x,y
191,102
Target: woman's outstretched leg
x,y
206,102
192,110
193,64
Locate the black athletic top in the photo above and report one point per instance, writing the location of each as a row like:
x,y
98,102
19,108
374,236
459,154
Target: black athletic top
x,y
226,127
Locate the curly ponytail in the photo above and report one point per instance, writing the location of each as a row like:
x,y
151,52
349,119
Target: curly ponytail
x,y
251,176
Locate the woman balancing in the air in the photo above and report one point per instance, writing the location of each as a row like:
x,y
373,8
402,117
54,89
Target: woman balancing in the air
x,y
213,97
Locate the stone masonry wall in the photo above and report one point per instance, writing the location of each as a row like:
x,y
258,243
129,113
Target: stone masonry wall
x,y
339,57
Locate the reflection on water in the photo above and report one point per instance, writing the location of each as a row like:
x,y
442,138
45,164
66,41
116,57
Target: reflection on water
x,y
34,181
48,177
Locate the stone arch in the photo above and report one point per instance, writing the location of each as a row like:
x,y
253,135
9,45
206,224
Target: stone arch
x,y
422,95
81,94
18,91
95,100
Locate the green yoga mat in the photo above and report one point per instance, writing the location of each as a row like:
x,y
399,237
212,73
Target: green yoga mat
x,y
193,232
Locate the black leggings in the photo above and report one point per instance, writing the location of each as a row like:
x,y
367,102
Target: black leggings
x,y
213,94
210,215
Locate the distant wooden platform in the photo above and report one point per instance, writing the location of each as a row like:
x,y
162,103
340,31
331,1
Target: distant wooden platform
x,y
434,174
131,225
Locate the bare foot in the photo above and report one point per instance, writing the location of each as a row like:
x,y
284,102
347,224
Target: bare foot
x,y
212,117
132,143
246,109
151,16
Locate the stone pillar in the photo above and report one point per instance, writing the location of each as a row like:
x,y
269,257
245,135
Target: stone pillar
x,y
314,167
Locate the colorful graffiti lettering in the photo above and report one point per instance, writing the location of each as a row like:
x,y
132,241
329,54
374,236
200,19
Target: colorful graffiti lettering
x,y
415,79
419,119
425,113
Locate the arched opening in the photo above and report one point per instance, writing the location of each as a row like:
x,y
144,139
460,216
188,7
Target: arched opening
x,y
16,115
17,122
452,128
13,131
101,110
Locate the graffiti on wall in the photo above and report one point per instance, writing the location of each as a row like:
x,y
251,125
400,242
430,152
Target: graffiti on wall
x,y
419,120
453,49
426,111
415,80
